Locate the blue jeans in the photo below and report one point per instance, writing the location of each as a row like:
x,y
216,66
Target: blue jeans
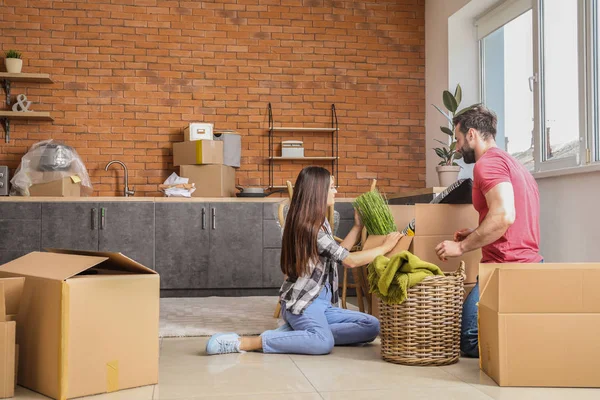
x,y
321,327
469,333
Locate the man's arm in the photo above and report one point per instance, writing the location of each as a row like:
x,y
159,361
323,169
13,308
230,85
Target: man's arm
x,y
501,215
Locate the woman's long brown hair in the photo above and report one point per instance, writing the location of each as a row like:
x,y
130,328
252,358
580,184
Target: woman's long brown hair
x,y
307,212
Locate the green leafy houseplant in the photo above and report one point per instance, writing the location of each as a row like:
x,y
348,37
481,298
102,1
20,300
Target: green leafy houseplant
x,y
451,101
13,61
13,54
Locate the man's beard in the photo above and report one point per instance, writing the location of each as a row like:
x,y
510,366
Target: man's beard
x,y
468,154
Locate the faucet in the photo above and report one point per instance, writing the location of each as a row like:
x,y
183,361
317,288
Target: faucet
x,y
126,191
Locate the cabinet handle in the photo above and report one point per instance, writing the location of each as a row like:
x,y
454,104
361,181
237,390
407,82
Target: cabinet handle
x,y
94,218
203,218
214,218
102,218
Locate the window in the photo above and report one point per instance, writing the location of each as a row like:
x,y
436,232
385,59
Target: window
x,y
539,72
507,65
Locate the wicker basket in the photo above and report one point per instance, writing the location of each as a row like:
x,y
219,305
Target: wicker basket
x,y
425,329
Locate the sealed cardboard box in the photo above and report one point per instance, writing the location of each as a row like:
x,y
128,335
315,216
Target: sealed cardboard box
x,y
10,295
88,322
434,223
198,152
65,187
210,180
539,324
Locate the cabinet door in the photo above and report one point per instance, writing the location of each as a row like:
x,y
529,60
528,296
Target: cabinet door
x,y
182,245
128,228
20,228
236,245
70,225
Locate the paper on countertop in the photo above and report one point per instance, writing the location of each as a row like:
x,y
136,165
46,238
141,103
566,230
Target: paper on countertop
x,y
175,179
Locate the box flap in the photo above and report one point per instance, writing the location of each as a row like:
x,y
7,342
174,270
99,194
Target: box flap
x,y
444,219
377,240
11,290
50,265
119,261
541,288
402,215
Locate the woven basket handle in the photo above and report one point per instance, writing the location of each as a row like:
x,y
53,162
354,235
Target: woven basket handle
x,y
462,270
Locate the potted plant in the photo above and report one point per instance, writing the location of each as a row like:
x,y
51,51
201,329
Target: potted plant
x,y
448,169
13,62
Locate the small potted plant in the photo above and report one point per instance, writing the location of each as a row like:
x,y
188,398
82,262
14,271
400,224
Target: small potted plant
x,y
448,169
13,62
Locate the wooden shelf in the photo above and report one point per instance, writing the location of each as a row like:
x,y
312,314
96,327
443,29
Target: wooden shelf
x,y
40,78
292,129
304,158
24,115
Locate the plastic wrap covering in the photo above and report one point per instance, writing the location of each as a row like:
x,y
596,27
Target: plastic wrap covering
x,y
49,161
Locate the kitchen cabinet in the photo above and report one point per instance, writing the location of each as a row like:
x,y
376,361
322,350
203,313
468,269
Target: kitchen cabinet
x,y
182,245
20,226
209,245
126,227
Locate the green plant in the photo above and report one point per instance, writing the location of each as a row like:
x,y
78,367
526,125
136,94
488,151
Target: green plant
x,y
375,213
13,54
451,101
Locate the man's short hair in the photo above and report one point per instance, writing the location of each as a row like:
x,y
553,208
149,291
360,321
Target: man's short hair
x,y
480,118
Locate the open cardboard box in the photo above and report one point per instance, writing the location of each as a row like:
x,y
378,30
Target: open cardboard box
x,y
539,324
10,295
87,323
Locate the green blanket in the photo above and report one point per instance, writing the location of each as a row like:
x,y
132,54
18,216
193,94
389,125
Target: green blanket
x,y
390,278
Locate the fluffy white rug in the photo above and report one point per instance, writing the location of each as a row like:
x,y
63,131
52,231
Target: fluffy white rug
x,y
205,316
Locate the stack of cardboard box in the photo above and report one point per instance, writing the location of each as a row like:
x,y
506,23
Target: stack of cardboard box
x,y
208,162
87,323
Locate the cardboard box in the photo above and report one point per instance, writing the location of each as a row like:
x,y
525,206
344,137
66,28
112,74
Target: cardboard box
x,y
210,180
88,322
198,152
10,295
65,187
198,131
539,324
434,223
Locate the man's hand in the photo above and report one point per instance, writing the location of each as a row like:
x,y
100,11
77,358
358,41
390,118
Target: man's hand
x,y
461,235
448,249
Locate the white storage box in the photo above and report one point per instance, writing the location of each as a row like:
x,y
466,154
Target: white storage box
x,y
292,148
198,131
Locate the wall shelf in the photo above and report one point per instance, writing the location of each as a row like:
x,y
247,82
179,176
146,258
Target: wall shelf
x,y
6,116
333,129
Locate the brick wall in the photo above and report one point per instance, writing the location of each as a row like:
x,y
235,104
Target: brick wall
x,y
130,74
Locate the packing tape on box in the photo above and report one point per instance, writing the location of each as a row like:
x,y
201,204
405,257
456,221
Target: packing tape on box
x,y
198,151
112,376
63,357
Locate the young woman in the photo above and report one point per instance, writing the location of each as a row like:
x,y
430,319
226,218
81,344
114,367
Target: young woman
x,y
309,295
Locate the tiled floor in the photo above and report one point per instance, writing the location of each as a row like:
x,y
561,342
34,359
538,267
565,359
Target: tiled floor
x,y
348,373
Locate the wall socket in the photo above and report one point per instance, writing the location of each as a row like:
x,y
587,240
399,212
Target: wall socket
x,y
3,180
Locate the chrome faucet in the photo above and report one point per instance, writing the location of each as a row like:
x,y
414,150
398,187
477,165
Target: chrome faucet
x,y
126,191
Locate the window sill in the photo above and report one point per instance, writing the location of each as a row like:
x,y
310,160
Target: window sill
x,y
567,171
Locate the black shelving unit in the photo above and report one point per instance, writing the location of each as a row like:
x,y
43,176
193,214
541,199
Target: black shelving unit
x,y
333,130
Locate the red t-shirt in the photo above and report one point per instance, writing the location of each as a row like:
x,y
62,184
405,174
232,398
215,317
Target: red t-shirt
x,y
520,243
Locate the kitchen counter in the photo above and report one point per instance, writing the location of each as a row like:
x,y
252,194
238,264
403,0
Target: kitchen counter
x,y
42,199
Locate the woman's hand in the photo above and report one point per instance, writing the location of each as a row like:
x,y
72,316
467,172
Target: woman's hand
x,y
391,240
357,219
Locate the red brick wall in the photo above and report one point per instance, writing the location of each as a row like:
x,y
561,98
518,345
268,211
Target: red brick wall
x,y
129,77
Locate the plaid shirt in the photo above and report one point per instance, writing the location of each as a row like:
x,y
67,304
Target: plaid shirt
x,y
300,294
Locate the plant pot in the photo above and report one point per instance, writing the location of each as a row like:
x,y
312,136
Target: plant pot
x,y
13,65
447,174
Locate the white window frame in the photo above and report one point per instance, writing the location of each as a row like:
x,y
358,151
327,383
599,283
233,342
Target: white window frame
x,y
588,63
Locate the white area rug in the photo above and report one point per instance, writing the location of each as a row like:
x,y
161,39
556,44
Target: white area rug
x,y
205,316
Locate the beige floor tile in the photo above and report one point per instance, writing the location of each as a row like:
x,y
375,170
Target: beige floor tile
x,y
141,393
333,375
191,351
263,396
219,379
413,393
